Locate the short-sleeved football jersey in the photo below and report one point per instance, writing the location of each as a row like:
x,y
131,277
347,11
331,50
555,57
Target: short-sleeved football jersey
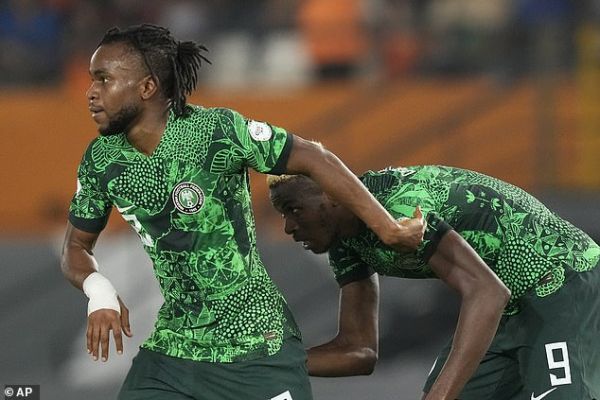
x,y
189,202
516,235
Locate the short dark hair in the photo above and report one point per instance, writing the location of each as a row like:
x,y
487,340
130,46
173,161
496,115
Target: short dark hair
x,y
173,64
275,181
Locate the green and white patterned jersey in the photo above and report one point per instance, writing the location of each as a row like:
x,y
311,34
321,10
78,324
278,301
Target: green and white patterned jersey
x,y
516,235
190,204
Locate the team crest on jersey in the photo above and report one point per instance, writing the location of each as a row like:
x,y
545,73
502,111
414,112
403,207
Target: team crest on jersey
x,y
259,131
188,197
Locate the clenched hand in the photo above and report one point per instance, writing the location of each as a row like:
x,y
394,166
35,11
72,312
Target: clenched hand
x,y
410,233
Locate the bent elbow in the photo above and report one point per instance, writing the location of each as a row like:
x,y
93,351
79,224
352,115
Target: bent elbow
x,y
65,265
505,294
493,294
497,298
368,360
502,294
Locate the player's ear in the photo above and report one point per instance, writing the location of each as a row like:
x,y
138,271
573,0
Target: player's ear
x,y
148,87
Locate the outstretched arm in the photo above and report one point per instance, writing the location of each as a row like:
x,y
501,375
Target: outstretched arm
x,y
354,350
77,264
322,166
483,298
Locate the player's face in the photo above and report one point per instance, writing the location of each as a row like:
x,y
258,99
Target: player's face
x,y
114,95
308,216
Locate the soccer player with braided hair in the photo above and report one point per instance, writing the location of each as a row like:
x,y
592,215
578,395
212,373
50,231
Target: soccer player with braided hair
x,y
178,174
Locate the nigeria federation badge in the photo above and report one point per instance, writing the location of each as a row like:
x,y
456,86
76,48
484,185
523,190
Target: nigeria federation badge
x,y
188,197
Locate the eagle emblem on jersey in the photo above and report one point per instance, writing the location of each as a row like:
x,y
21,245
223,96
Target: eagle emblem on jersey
x,y
188,197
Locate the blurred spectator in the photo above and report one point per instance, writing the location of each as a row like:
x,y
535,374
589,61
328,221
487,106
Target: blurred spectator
x,y
335,35
543,35
280,15
134,12
247,17
88,20
256,43
186,19
43,40
284,61
397,34
467,36
30,42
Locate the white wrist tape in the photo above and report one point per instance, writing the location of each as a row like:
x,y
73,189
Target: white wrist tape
x,y
101,293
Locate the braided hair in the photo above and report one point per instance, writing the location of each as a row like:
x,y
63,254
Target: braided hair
x,y
173,64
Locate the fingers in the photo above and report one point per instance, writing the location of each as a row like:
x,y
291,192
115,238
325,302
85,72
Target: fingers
x,y
417,213
125,325
88,335
104,341
100,323
411,232
125,319
95,341
418,225
418,216
118,339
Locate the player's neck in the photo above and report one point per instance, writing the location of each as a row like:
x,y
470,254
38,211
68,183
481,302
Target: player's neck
x,y
146,134
349,224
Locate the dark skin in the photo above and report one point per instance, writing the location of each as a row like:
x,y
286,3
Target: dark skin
x,y
313,218
124,97
77,263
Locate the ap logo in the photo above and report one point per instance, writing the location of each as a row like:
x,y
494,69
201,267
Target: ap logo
x,y
30,392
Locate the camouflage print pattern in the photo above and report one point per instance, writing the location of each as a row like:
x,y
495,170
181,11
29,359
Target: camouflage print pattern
x,y
515,234
189,202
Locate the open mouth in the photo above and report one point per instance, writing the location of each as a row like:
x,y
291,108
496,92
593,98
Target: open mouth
x,y
306,243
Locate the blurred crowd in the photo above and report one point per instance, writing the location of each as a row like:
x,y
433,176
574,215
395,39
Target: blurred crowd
x,y
44,42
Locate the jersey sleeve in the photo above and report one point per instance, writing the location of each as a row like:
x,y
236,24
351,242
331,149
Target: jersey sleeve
x,y
90,206
258,145
436,229
404,198
347,266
